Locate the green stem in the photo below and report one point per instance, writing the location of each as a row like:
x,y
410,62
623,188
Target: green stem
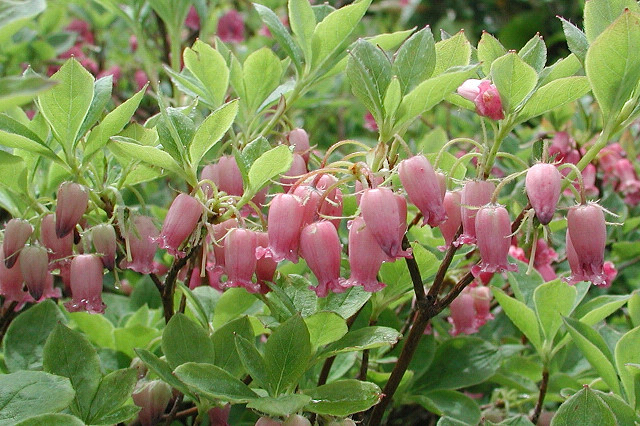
x,y
503,131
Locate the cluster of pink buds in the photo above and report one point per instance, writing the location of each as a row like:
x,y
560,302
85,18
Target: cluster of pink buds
x,y
485,96
470,310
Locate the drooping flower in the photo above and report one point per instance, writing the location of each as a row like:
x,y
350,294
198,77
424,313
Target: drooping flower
x,y
231,27
297,169
485,96
385,214
365,257
12,285
493,233
475,193
331,206
86,285
225,174
34,265
73,200
104,241
482,304
181,220
240,265
463,314
585,243
153,397
320,247
286,214
423,189
561,145
193,19
449,228
16,234
629,185
265,267
545,255
142,246
299,140
543,184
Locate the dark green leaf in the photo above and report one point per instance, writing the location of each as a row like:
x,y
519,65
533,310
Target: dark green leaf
x,y
282,406
185,341
576,39
253,362
325,328
451,403
362,338
223,339
343,397
625,415
628,352
584,408
521,315
58,419
215,383
17,11
344,304
415,60
114,390
161,369
20,90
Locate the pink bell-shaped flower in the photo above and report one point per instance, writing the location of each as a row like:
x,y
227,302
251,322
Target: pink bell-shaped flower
x,y
385,214
543,184
153,397
296,171
286,214
231,27
240,264
448,228
142,246
586,239
34,265
265,267
225,174
12,284
482,304
545,255
59,248
493,232
180,222
331,205
463,314
299,140
485,96
86,285
310,198
219,416
104,241
73,200
475,193
365,257
296,420
423,189
16,234
320,247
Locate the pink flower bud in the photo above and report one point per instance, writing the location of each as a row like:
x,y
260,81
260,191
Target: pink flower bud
x,y
266,421
365,257
193,19
296,171
231,27
153,398
493,232
320,247
240,263
561,145
463,314
86,285
180,222
482,304
219,232
299,140
219,416
543,184
225,174
16,234
586,238
296,420
104,241
423,189
73,200
475,193
448,228
385,214
142,246
265,267
286,214
485,96
34,265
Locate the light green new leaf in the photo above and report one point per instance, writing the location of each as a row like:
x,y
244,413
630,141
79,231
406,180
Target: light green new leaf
x,y
584,408
599,308
628,352
280,34
128,148
614,73
392,98
20,90
521,315
261,76
268,166
97,328
214,383
302,21
13,172
102,89
634,309
553,95
452,52
282,406
534,53
514,79
360,339
211,131
415,60
208,66
14,140
599,14
553,301
576,39
65,105
489,49
325,328
343,397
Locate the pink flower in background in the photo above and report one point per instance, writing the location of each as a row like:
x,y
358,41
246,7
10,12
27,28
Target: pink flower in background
x,y
231,27
561,145
193,19
81,28
628,184
370,122
115,72
141,78
485,96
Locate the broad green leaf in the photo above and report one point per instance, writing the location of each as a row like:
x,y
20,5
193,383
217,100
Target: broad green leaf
x,y
565,67
68,353
614,73
213,382
389,41
287,353
25,394
520,420
634,309
625,415
226,355
302,21
534,53
134,336
13,140
101,97
628,352
331,33
524,285
325,328
521,315
450,421
37,322
114,390
451,403
489,49
553,95
261,76
97,328
212,130
452,52
13,172
185,341
415,60
514,79
253,362
344,304
128,148
208,66
268,166
249,154
576,39
66,105
121,415
599,14
282,406
280,34
343,397
595,350
392,98
233,303
175,130
57,419
360,339
553,300
112,123
195,307
162,370
599,308
20,90
584,408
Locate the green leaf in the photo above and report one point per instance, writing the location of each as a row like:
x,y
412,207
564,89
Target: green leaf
x,y
369,73
614,73
287,353
595,350
521,315
134,336
553,95
534,53
520,420
224,345
37,322
302,21
392,99
214,383
185,341
13,140
330,34
553,301
452,52
113,123
25,394
628,352
114,390
584,408
360,339
451,403
58,419
13,172
128,148
634,308
599,308
325,328
253,362
18,11
208,66
233,303
261,76
97,328
66,105
282,406
489,49
20,90
576,39
346,303
68,353
280,34
162,370
268,166
212,130
415,60
101,97
514,79
599,14
389,41
121,415
625,415
343,397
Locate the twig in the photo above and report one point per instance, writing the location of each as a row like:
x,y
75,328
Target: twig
x,y
170,282
414,271
174,410
543,391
